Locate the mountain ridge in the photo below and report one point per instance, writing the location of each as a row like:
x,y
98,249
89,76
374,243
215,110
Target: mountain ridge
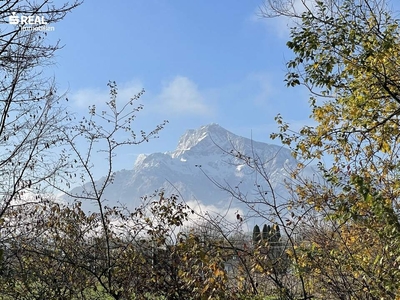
x,y
201,156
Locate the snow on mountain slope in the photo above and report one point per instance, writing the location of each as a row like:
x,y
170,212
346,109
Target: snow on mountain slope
x,y
201,156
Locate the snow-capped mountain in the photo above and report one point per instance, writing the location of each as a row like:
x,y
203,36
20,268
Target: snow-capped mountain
x,y
201,159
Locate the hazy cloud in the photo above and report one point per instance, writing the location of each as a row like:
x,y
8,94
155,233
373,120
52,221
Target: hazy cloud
x,y
213,211
182,96
84,98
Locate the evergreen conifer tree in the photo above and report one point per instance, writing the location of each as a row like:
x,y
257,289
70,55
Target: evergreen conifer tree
x,y
266,233
256,234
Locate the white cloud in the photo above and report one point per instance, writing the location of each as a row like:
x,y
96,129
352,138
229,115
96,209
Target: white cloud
x,y
129,89
182,96
87,97
84,98
215,212
178,96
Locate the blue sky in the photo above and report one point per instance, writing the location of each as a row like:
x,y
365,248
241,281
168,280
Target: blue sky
x,y
199,62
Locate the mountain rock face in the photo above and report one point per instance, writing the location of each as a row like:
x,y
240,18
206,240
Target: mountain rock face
x,y
201,161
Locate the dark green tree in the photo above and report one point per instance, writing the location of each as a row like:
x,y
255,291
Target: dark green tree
x,y
265,232
256,235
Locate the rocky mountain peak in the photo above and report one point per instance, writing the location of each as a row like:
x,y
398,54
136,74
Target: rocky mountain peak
x,y
203,138
201,154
